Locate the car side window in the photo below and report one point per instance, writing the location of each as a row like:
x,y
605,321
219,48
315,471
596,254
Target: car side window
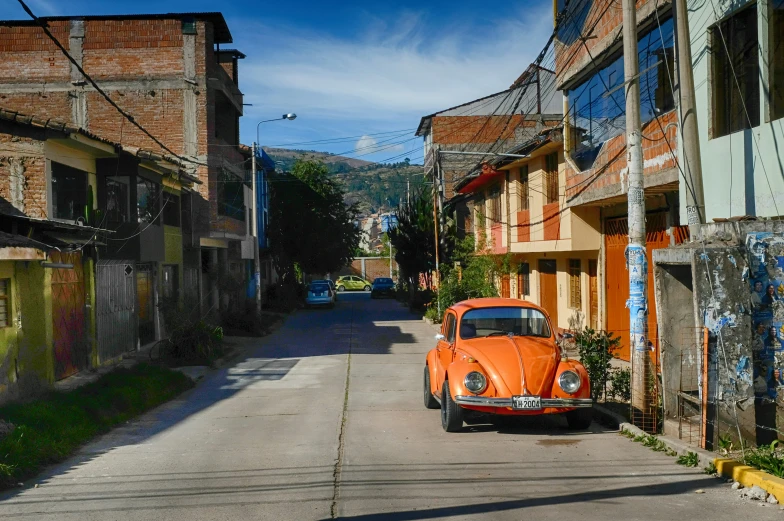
x,y
449,328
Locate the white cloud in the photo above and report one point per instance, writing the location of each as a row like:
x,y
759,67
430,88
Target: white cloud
x,y
390,72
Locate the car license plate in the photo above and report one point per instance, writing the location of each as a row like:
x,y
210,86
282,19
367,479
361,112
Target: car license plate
x,y
526,402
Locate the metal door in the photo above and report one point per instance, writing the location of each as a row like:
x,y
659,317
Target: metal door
x,y
617,279
115,308
71,349
548,289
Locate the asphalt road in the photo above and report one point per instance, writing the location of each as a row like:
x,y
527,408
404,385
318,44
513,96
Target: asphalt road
x,y
324,419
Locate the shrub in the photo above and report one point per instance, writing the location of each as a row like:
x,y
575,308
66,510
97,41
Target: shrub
x,y
596,349
190,340
474,281
621,384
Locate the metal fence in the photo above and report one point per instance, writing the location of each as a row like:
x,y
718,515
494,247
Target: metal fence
x,y
115,299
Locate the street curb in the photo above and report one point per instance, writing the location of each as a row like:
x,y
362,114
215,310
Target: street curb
x,y
749,476
705,458
607,417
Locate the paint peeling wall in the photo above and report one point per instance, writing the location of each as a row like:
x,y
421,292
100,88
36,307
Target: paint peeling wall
x,y
739,293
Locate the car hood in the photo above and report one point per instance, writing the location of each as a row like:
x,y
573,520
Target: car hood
x,y
502,358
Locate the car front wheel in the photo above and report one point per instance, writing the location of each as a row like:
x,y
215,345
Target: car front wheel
x,y
451,413
341,288
430,400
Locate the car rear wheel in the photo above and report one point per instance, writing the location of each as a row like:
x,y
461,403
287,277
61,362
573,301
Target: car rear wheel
x,y
430,400
341,288
451,413
367,288
580,419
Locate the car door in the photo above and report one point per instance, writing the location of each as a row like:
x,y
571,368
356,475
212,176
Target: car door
x,y
445,347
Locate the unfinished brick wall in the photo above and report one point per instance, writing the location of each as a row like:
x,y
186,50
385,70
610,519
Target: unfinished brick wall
x,y
610,164
456,130
23,169
142,65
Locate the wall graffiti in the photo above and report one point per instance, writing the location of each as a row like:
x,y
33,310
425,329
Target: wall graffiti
x,y
766,280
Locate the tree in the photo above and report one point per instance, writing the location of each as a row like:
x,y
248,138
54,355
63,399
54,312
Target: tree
x,y
412,238
311,227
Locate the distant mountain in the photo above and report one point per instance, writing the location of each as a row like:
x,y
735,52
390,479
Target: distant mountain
x,y
375,187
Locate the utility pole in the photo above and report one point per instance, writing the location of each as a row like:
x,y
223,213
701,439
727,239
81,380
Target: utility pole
x,y
255,231
636,261
408,190
695,198
436,189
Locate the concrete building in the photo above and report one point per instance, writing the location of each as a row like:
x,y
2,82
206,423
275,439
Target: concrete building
x,y
169,73
517,207
589,71
91,248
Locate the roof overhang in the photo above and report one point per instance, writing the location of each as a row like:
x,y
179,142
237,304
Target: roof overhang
x,y
488,176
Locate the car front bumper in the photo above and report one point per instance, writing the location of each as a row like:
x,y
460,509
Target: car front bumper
x,y
547,403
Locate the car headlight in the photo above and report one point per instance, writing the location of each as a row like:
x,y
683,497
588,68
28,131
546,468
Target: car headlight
x,y
569,381
475,382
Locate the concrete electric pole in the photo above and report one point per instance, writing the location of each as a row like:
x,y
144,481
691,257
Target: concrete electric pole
x,y
255,231
695,199
636,261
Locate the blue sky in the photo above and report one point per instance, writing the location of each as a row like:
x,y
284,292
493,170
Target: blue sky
x,y
357,68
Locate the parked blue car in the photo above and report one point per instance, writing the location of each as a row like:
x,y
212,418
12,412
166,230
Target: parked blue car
x,y
382,287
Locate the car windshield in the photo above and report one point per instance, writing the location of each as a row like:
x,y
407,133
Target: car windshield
x,y
503,321
383,282
321,286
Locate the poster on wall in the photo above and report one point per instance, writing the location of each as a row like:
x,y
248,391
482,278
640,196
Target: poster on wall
x,y
766,280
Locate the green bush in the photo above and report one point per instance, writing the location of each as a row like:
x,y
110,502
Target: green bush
x,y
50,429
475,280
621,384
596,349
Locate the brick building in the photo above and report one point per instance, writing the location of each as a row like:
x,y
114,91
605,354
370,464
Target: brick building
x,y
169,72
589,71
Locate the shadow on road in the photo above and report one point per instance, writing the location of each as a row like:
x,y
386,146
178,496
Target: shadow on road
x,y
305,333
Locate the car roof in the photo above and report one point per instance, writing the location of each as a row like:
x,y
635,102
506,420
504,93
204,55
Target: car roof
x,y
493,302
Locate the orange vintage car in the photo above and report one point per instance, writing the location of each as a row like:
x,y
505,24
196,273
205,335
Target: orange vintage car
x,y
500,357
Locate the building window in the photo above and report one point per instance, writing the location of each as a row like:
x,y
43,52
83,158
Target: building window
x,y
597,107
117,200
523,280
69,192
147,200
575,295
5,306
524,188
495,205
735,78
776,54
171,209
231,196
551,178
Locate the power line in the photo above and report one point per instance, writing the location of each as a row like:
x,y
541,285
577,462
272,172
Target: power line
x,y
100,91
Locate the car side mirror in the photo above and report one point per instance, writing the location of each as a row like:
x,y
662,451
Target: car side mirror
x,y
440,337
566,336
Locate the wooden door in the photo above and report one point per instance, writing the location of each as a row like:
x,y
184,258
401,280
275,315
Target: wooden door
x,y
593,295
616,239
505,286
71,350
145,302
548,289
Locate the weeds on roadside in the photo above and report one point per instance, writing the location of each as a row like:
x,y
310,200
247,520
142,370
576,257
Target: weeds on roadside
x,y
690,459
710,469
50,428
650,441
766,458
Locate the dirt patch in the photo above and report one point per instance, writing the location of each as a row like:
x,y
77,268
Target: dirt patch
x,y
556,442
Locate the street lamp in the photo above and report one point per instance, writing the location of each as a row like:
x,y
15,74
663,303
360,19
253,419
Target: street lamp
x,y
255,223
288,116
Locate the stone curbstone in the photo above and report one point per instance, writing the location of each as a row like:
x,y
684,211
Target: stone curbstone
x,y
749,476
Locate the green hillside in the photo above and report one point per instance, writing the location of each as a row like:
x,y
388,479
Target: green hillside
x,y
375,187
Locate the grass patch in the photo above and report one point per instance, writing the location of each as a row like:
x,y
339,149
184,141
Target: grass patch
x,y
690,459
51,428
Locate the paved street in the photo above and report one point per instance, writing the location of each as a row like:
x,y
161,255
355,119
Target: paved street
x,y
325,420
